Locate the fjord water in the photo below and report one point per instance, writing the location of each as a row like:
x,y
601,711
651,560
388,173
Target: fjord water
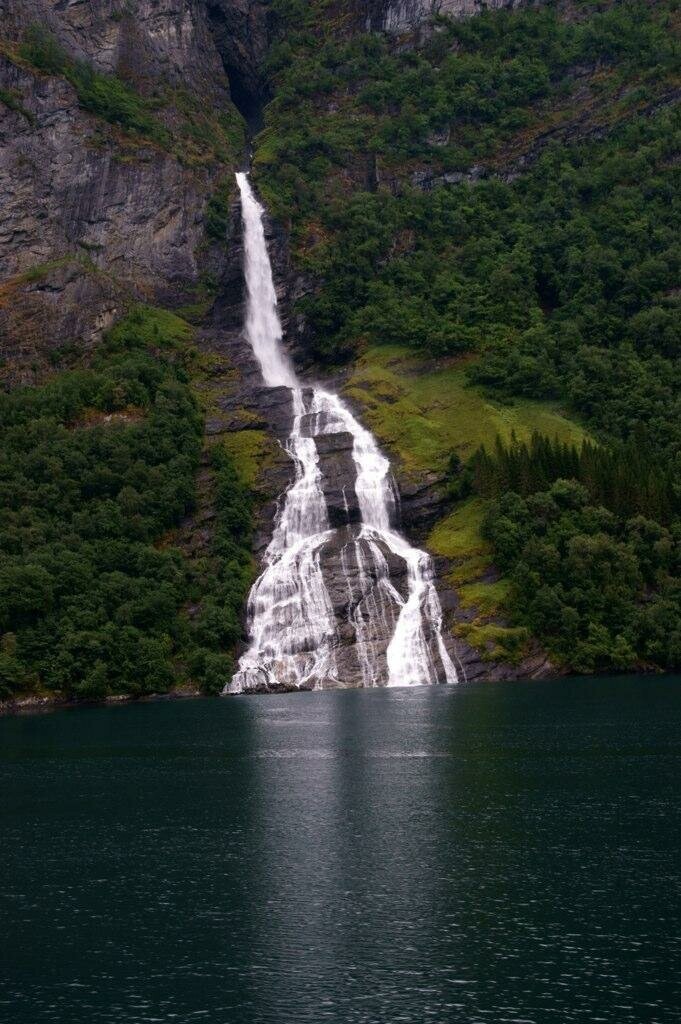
x,y
483,853
293,630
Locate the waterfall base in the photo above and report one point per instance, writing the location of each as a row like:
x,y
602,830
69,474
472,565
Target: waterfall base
x,y
343,599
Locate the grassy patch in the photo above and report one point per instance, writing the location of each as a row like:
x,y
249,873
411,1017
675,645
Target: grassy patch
x,y
458,535
250,451
150,326
489,598
495,642
424,412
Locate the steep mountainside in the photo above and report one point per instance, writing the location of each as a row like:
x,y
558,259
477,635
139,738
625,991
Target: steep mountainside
x,y
473,233
118,133
500,194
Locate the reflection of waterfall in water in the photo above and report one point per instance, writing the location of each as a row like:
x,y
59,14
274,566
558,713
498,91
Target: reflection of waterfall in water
x,y
293,628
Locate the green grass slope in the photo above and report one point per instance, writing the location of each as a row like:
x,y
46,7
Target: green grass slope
x,y
422,411
426,409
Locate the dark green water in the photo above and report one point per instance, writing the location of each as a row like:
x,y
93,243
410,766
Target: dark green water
x,y
496,853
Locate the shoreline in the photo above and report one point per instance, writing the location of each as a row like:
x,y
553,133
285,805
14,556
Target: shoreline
x,y
36,704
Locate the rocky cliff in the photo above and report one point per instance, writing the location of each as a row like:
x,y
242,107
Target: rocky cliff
x,y
95,214
399,16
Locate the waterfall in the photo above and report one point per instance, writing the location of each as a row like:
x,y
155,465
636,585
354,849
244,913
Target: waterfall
x,y
293,623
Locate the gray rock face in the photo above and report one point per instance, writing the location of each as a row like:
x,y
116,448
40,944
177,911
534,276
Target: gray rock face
x,y
338,478
152,42
139,218
125,217
396,16
357,596
239,29
129,226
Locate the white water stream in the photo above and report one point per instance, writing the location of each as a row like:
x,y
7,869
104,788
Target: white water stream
x,y
293,630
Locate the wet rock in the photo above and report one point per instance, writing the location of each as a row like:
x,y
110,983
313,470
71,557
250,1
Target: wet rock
x,y
422,503
257,408
338,471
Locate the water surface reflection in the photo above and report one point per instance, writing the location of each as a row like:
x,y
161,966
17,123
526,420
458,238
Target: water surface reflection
x,y
491,853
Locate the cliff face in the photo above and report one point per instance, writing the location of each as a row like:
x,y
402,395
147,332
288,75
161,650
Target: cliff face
x,y
240,33
94,215
113,223
149,40
399,16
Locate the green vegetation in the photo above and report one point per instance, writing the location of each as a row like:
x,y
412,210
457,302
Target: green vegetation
x,y
564,278
624,478
601,591
217,211
251,451
105,95
543,270
97,471
590,539
343,98
425,410
205,135
459,536
12,99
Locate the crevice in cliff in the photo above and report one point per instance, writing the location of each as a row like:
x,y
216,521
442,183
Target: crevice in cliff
x,y
247,100
240,37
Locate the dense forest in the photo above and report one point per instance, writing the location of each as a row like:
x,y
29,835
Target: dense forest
x,y
97,469
510,188
590,539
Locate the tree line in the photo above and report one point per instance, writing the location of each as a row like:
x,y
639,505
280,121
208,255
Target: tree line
x,y
625,478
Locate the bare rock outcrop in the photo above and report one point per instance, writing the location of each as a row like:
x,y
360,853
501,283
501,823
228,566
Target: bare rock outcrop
x,y
400,16
150,42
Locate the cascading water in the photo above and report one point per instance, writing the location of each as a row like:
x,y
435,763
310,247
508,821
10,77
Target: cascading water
x,y
294,630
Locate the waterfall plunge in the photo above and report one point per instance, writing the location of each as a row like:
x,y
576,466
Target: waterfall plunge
x,y
293,630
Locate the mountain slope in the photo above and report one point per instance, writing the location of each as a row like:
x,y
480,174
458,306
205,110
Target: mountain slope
x,y
504,190
117,129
